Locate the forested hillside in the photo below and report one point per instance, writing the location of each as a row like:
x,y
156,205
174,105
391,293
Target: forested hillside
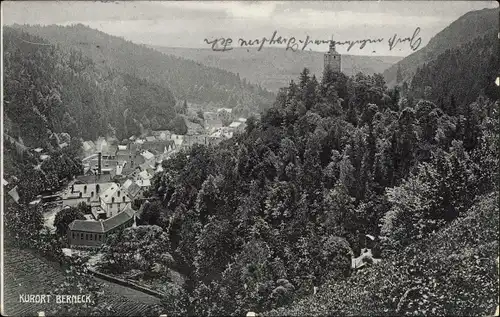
x,y
456,77
272,67
48,89
450,273
462,31
55,97
186,79
256,223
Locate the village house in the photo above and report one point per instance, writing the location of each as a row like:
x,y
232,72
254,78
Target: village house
x,y
211,125
161,134
114,200
107,148
100,143
222,134
90,177
133,190
237,126
178,139
367,256
190,140
146,174
105,199
228,110
159,146
14,194
84,193
88,147
93,233
149,158
144,185
210,115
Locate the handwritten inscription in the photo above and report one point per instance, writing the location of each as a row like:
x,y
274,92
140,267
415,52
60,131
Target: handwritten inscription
x,y
223,44
414,40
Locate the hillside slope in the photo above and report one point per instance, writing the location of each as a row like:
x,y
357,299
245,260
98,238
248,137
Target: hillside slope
x,y
273,68
445,83
48,89
456,263
464,30
187,79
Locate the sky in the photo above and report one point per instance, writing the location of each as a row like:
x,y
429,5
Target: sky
x,y
189,23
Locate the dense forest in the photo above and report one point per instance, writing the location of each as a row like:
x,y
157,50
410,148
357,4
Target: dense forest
x,y
187,80
52,90
459,75
256,223
462,31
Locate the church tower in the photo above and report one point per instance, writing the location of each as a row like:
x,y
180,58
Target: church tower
x,y
333,59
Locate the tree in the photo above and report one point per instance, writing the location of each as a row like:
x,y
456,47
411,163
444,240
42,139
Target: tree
x,y
66,216
178,125
399,74
440,192
251,124
176,301
155,214
22,223
149,247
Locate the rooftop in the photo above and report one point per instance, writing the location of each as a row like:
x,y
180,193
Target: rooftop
x,y
147,155
94,178
114,191
143,182
127,184
86,225
133,190
87,190
145,175
118,219
102,226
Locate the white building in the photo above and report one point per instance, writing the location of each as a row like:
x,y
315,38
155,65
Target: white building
x,y
105,199
149,158
114,200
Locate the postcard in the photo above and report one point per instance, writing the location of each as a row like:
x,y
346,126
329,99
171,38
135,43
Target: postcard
x,y
276,158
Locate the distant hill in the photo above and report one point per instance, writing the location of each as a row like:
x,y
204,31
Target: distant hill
x,y
462,31
272,67
187,79
48,90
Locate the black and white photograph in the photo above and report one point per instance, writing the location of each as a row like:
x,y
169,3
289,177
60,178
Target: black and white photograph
x,y
250,158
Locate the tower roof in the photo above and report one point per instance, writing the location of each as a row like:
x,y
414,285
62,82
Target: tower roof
x,y
332,48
